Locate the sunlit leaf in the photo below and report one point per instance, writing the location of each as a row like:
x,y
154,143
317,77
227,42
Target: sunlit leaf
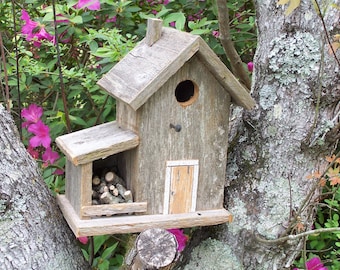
x,y
293,4
314,175
322,182
300,227
335,46
335,180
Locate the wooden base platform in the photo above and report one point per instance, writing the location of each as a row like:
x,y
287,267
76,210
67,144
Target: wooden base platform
x,y
138,223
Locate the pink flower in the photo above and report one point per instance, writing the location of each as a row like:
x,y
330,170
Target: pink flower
x,y
33,152
113,19
172,24
216,33
315,264
49,157
180,237
83,239
34,30
29,26
59,172
42,135
90,4
32,114
250,66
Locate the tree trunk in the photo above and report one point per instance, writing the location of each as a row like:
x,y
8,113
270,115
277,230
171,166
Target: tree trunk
x,y
285,138
33,233
274,147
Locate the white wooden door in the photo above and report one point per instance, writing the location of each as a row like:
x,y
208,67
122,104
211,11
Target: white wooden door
x,y
181,186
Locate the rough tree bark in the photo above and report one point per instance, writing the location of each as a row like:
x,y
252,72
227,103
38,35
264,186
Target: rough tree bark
x,y
274,147
33,232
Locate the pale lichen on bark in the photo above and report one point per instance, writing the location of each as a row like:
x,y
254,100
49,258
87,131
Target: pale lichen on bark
x,y
293,58
213,254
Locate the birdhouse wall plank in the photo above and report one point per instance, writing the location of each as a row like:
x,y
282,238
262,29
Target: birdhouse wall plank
x,y
78,189
204,136
126,116
113,209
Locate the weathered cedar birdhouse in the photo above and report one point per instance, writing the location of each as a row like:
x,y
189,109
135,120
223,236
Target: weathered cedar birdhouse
x,y
169,141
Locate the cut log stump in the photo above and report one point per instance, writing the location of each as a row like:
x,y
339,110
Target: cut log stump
x,y
154,249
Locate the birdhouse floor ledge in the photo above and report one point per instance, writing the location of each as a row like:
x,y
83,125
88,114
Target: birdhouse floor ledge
x,y
138,223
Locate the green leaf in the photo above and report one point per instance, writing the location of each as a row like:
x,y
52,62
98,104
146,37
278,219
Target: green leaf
x,y
336,217
77,120
85,254
177,17
48,17
104,265
93,46
103,52
317,244
133,9
99,241
244,27
200,31
108,251
163,12
77,19
117,260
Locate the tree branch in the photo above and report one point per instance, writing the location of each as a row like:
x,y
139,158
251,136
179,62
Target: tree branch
x,y
3,58
62,86
295,236
228,45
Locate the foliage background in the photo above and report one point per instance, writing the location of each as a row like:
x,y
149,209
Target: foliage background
x,y
61,78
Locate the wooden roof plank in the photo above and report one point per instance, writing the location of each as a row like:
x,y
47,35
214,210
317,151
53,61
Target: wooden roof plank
x,y
146,68
97,142
239,94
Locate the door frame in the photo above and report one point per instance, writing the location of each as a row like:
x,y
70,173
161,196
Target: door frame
x,y
175,163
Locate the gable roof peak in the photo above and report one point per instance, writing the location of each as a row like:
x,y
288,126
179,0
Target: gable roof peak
x,y
160,55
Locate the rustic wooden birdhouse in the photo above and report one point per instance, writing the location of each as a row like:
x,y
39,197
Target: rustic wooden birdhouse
x,y
167,150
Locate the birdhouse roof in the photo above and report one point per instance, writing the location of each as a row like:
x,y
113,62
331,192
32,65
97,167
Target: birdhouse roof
x,y
153,61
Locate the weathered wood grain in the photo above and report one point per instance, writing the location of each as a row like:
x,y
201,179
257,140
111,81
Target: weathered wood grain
x,y
113,209
145,69
156,248
142,71
97,142
238,93
203,137
132,224
154,31
78,187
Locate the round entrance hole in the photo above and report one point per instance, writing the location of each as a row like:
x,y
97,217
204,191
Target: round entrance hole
x,y
186,93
